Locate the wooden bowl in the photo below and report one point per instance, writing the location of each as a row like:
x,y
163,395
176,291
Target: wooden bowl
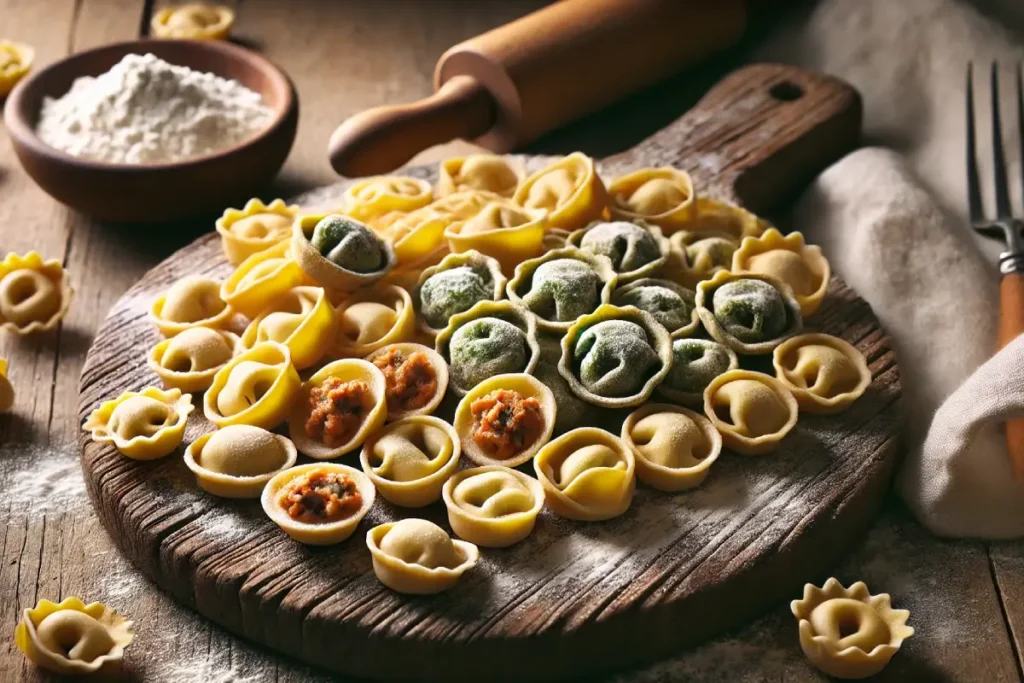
x,y
155,192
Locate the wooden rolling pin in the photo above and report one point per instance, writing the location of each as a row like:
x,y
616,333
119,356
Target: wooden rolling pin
x,y
511,85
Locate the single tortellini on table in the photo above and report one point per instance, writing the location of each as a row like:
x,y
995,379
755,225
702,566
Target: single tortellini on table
x,y
752,411
661,196
493,506
674,447
410,459
454,286
189,361
505,419
418,557
373,198
195,20
143,425
502,230
847,632
34,294
416,378
339,252
374,318
588,474
569,189
615,356
491,338
789,259
238,461
479,172
261,278
255,227
256,388
302,319
671,304
6,388
749,313
320,503
71,638
15,62
695,362
338,408
825,373
561,286
636,250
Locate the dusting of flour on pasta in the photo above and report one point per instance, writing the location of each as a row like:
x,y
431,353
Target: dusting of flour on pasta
x,y
145,111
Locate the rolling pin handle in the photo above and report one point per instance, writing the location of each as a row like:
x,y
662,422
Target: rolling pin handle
x,y
382,139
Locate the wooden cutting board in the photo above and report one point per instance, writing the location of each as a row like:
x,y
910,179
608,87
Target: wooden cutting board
x,y
574,598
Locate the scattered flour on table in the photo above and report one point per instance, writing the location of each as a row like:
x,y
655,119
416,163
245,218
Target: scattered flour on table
x,y
145,111
42,479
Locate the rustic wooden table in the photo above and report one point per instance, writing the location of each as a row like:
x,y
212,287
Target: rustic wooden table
x,y
966,598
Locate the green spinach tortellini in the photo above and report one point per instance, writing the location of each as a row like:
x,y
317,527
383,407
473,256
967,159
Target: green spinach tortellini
x,y
562,285
339,253
671,304
695,362
635,249
348,243
748,313
454,286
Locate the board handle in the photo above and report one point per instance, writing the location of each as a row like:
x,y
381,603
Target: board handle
x,y
760,135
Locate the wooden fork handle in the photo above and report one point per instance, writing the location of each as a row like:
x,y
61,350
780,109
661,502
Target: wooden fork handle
x,y
1011,324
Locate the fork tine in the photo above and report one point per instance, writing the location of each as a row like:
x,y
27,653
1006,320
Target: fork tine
x,y
973,184
998,155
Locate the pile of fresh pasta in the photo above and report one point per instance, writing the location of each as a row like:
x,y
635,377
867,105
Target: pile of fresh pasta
x,y
525,309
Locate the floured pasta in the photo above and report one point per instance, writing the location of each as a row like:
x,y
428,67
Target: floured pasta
x,y
789,259
416,378
374,318
695,362
635,250
691,262
505,419
142,425
192,301
237,461
195,20
417,557
409,460
454,286
302,319
188,361
255,388
825,373
671,304
318,504
261,278
255,227
569,189
479,172
339,252
751,410
379,196
73,638
493,506
751,314
34,294
661,196
615,356
561,286
587,474
6,388
507,233
338,408
674,447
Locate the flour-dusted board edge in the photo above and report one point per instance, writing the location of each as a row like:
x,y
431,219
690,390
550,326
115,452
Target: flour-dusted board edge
x,y
574,598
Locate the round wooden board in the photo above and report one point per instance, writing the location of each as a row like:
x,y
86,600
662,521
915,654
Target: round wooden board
x,y
574,598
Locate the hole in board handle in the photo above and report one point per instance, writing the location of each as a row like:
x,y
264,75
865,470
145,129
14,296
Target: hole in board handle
x,y
786,91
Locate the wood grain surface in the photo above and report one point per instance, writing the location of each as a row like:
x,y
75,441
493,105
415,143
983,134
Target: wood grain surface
x,y
964,596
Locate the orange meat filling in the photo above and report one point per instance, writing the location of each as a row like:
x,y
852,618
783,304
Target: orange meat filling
x,y
320,497
505,423
337,409
411,379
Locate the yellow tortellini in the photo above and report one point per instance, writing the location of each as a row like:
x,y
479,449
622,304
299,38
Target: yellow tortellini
x,y
302,319
255,227
73,638
188,361
192,301
6,388
417,557
479,172
418,238
493,506
374,318
507,233
256,388
142,425
752,411
674,447
238,460
789,259
318,504
587,474
825,373
261,278
374,198
410,459
662,196
34,294
15,61
705,244
195,20
570,190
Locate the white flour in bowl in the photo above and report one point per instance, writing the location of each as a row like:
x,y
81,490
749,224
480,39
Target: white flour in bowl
x,y
146,111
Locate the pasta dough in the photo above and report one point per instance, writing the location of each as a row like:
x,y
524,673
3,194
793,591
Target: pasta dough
x,y
416,378
493,506
237,461
34,294
302,319
695,362
636,250
570,190
339,252
587,474
261,278
189,361
751,314
255,388
257,226
561,286
751,410
142,425
417,557
417,238
674,447
194,20
6,389
507,233
376,197
661,196
671,304
318,504
374,318
825,373
454,286
789,260
409,460
73,638
480,172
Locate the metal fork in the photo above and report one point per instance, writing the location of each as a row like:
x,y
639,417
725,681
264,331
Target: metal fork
x,y
1011,261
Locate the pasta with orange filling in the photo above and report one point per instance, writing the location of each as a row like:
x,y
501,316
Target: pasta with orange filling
x,y
318,504
416,378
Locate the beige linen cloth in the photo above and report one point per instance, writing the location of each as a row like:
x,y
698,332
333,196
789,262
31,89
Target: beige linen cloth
x,y
891,220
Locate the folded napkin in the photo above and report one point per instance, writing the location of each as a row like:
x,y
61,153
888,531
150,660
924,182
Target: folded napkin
x,y
891,222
